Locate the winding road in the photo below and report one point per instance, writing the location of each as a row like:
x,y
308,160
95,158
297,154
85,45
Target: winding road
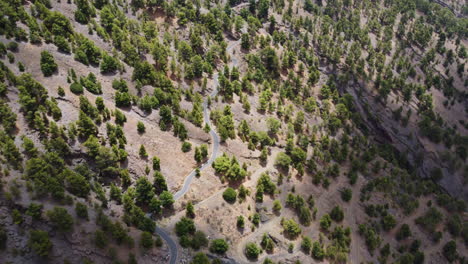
x,y
173,248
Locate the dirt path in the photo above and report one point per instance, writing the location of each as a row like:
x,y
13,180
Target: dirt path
x,y
164,234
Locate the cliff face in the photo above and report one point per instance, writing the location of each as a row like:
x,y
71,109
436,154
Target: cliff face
x,y
422,154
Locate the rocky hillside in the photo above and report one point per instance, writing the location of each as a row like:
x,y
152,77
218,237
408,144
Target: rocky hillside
x,y
214,131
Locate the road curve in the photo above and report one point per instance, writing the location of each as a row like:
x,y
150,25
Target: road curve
x,y
173,249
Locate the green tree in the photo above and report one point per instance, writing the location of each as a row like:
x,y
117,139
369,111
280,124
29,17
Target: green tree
x,y
199,240
167,199
159,183
306,244
337,214
273,125
317,251
146,240
267,243
48,65
189,210
109,64
262,8
450,251
430,219
143,152
62,44
230,195
291,228
100,239
35,211
252,251
141,129
277,206
120,117
144,191
325,222
76,183
346,194
283,160
388,222
186,146
404,232
81,210
240,221
270,60
40,243
200,258
76,88
219,246
60,218
185,226
156,163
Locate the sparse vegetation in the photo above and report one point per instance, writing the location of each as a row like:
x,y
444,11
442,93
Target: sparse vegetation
x,y
328,115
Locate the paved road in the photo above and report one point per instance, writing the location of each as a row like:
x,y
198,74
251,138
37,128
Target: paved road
x,y
188,180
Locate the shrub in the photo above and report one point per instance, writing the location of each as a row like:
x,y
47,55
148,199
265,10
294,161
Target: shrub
x,y
81,210
230,195
159,183
48,65
455,225
229,168
185,226
123,99
61,91
430,219
306,244
120,117
35,211
199,240
371,236
317,251
277,206
200,258
450,251
76,88
141,127
39,242
87,52
109,64
252,251
100,239
267,243
60,218
143,152
219,246
337,214
3,238
189,210
146,240
167,199
325,222
283,160
346,194
186,146
91,83
144,190
156,164
403,232
291,228
256,219
76,183
388,222
62,44
240,221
